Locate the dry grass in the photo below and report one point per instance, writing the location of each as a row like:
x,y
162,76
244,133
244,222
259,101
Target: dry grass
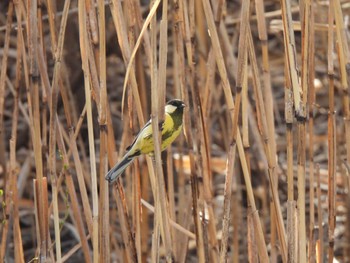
x,y
260,174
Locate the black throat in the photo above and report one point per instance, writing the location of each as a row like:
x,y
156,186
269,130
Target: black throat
x,y
177,117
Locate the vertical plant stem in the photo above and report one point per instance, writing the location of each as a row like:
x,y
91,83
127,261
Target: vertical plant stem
x,y
319,216
227,90
36,135
85,61
78,218
331,137
53,128
312,97
130,249
227,203
2,84
158,90
19,256
266,137
6,225
104,193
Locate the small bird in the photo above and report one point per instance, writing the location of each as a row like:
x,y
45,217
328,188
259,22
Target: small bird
x,y
143,143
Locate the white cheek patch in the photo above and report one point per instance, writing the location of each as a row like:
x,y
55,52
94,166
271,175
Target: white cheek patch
x,y
170,108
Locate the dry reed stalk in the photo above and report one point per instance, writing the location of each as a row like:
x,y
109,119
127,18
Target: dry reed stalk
x,y
241,82
92,21
145,228
53,129
78,219
33,47
136,211
19,256
104,248
81,183
236,209
344,67
320,255
41,212
172,203
291,204
299,107
180,75
229,100
266,137
86,61
306,70
227,203
172,222
292,232
269,102
204,143
289,43
204,162
72,251
301,191
128,55
331,137
2,84
251,244
183,215
130,249
312,98
4,229
347,174
155,239
5,234
161,218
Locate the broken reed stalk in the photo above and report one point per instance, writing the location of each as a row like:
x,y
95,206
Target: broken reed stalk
x,y
299,106
331,136
41,213
33,47
301,123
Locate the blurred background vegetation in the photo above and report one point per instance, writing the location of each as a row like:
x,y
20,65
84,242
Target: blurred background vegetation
x,y
260,174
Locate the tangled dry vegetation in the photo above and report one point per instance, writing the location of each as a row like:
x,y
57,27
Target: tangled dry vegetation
x,y
260,174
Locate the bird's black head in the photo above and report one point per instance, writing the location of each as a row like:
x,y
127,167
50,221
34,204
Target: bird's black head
x,y
175,108
177,104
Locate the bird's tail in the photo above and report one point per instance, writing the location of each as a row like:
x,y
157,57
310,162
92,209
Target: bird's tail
x,y
119,168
